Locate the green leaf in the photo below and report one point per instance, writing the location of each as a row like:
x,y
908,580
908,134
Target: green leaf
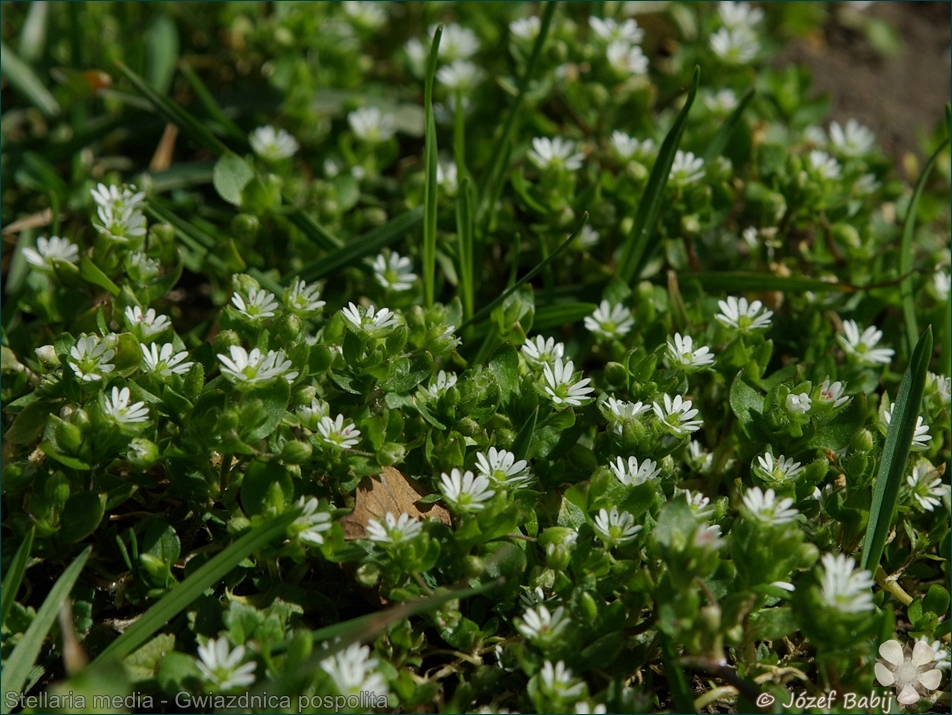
x,y
258,484
182,596
523,440
837,433
429,162
638,245
407,373
161,49
504,367
740,281
719,141
92,273
230,176
143,664
22,78
28,425
896,452
17,668
936,600
681,694
464,231
748,407
81,515
263,411
14,575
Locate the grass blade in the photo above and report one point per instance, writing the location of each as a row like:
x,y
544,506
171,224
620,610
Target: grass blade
x,y
905,251
896,452
365,245
487,309
637,248
464,230
552,316
492,184
182,596
429,190
523,440
308,226
719,141
746,281
33,35
14,577
681,693
19,74
17,668
211,106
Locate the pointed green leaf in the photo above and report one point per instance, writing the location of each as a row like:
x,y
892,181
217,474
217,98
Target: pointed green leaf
x,y
14,575
429,188
23,79
719,141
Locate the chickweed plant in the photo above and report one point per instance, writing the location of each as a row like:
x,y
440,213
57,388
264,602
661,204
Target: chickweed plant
x,y
457,357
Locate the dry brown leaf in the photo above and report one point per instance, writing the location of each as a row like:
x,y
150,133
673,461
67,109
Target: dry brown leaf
x,y
392,492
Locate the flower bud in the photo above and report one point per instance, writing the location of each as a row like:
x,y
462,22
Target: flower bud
x,y
142,453
845,234
616,374
245,226
162,234
296,452
390,453
288,329
862,441
226,339
375,216
589,607
303,395
368,575
468,427
194,381
47,356
473,567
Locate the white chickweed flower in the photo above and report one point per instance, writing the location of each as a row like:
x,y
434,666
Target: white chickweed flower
x,y
393,530
615,528
921,437
912,676
626,59
394,272
162,362
631,473
258,305
844,588
312,524
111,197
777,470
541,351
352,671
372,125
587,238
525,28
619,412
739,14
825,166
311,415
447,176
370,15
863,347
558,682
765,508
721,102
677,415
541,626
118,408
465,491
49,250
338,434
609,30
121,225
798,403
941,281
699,504
219,665
707,537
738,314
501,467
89,358
561,385
271,144
832,393
628,148
926,487
456,43
303,299
145,325
735,46
461,74
370,321
682,354
610,320
440,384
250,370
555,153
698,458
686,169
852,140
141,268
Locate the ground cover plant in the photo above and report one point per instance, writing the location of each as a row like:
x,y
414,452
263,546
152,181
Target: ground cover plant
x,y
464,357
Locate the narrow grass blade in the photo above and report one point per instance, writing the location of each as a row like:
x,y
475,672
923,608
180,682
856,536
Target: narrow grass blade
x,y
182,596
905,250
719,141
173,113
365,245
523,440
211,106
492,184
464,232
892,469
638,245
429,190
14,576
161,49
24,80
487,309
552,316
681,694
311,228
17,668
33,34
745,281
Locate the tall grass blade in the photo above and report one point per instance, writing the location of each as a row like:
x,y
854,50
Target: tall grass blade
x,y
552,316
429,160
892,469
523,440
24,80
905,250
360,247
211,106
719,141
743,280
464,232
487,309
17,668
14,576
182,596
638,245
308,226
681,694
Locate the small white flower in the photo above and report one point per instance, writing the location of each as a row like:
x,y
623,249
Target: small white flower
x,y
942,282
629,148
352,671
825,166
615,528
541,351
394,272
541,626
677,415
681,353
780,470
393,530
686,169
941,660
631,473
699,504
832,393
707,537
219,665
312,524
587,238
461,74
941,385
558,681
926,487
312,414
440,384
145,325
912,676
141,268
118,408
863,347
610,320
626,59
302,299
865,185
739,14
853,140
456,43
89,358
525,28
798,403
447,176
609,30
370,15
555,153
111,197
249,370
765,508
620,412
533,597
844,588
561,385
721,102
698,458
814,135
750,237
501,466
259,304
585,707
370,321
372,125
162,361
272,144
49,250
121,225
735,46
465,491
738,314
338,434
920,437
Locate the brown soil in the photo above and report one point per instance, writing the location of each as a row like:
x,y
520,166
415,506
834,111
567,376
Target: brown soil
x,y
899,97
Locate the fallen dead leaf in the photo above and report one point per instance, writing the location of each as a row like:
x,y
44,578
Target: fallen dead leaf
x,y
392,492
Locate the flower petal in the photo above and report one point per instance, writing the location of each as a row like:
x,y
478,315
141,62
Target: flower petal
x,y
884,675
908,696
930,679
922,654
892,651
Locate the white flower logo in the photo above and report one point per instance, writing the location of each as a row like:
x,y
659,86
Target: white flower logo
x,y
912,674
